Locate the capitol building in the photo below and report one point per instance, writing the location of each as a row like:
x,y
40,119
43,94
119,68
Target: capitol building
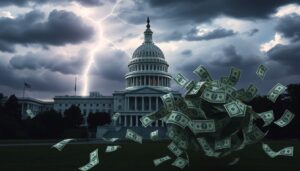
x,y
146,80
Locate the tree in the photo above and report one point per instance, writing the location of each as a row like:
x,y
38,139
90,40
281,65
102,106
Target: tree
x,y
73,117
98,119
12,107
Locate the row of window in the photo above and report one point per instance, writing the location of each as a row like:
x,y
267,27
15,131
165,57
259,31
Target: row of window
x,y
85,112
148,80
84,105
147,67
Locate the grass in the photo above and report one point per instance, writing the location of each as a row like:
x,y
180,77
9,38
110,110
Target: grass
x,y
139,157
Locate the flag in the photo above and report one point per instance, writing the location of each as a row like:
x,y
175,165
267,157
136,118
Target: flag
x,y
27,85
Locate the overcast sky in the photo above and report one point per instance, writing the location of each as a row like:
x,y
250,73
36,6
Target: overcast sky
x,y
46,43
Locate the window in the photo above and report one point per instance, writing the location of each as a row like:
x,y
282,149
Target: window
x,y
91,105
109,105
103,105
120,100
84,105
60,104
119,107
97,104
66,104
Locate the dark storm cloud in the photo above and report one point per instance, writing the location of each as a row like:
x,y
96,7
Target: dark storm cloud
x,y
65,65
289,26
60,28
253,31
111,65
187,52
26,2
214,34
205,10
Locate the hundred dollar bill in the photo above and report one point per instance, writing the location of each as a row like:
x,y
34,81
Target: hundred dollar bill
x,y
112,148
130,134
201,126
207,149
202,73
110,139
261,71
235,109
168,101
173,147
94,160
180,80
146,121
287,151
178,118
223,143
285,119
234,76
213,96
180,163
154,135
115,116
30,113
60,145
267,117
161,160
196,88
275,92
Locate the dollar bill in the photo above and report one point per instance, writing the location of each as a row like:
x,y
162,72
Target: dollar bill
x,y
168,101
154,135
213,96
131,135
196,88
201,126
267,117
234,76
189,85
223,143
251,92
202,73
276,91
115,116
94,160
180,162
178,118
285,119
207,149
255,135
224,80
287,151
110,139
30,113
161,160
235,161
146,120
234,109
180,80
261,71
112,148
173,147
230,90
60,145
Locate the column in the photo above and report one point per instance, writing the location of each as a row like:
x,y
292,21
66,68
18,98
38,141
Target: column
x,y
125,120
149,103
156,123
136,120
149,80
135,104
156,99
162,124
120,120
143,103
130,120
144,80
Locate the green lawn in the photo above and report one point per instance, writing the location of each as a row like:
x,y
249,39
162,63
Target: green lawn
x,y
133,156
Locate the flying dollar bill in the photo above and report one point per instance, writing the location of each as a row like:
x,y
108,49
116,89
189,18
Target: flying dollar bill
x,y
202,73
261,71
180,163
112,148
94,160
196,88
146,121
267,117
178,118
110,139
285,119
168,101
233,109
60,145
223,143
154,135
131,135
251,92
180,80
213,96
207,149
115,116
276,91
173,147
234,76
287,151
201,126
161,160
253,136
30,113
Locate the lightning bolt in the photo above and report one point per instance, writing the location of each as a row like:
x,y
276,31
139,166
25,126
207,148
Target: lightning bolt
x,y
97,45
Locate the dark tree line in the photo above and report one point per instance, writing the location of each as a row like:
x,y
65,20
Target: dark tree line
x,y
47,124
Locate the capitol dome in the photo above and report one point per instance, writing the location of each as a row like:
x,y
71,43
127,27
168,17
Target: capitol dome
x,y
147,67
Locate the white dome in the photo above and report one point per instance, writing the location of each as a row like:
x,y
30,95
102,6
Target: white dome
x,y
148,50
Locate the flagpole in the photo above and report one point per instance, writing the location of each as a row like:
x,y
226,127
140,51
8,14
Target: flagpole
x,y
75,84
